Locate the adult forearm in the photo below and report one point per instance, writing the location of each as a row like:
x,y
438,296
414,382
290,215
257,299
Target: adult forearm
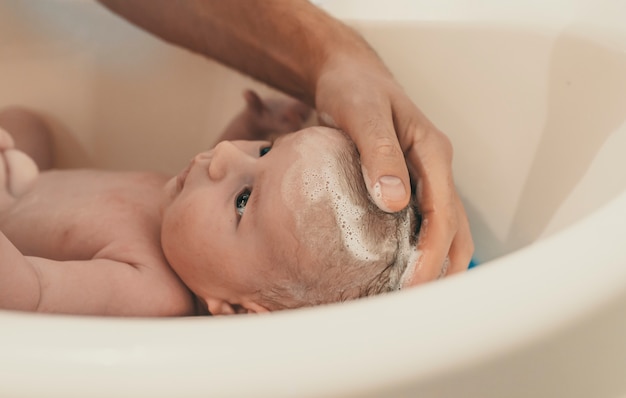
x,y
284,43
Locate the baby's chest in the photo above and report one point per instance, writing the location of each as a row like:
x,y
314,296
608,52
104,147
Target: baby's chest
x,y
75,222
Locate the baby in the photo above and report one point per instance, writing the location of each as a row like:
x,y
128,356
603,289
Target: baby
x,y
246,227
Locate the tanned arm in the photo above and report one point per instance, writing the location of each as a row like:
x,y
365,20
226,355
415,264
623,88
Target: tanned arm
x,y
268,40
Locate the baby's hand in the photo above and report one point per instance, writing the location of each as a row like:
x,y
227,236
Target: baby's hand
x,y
17,170
266,119
273,117
6,141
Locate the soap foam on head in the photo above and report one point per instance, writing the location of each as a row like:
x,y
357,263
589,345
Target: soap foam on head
x,y
322,184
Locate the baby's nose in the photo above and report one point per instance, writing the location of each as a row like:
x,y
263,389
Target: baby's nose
x,y
228,158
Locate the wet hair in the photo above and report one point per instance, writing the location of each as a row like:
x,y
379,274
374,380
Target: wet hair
x,y
337,274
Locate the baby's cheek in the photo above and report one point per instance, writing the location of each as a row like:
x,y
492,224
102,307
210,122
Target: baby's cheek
x,y
184,232
171,235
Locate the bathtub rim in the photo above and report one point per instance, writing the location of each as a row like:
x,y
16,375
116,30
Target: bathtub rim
x,y
121,350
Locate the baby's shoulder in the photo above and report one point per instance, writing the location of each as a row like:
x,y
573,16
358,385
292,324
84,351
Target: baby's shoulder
x,y
160,292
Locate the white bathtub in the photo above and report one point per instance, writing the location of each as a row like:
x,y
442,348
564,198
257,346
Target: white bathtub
x,y
533,96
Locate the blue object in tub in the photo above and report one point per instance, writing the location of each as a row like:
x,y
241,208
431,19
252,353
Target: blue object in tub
x,y
473,263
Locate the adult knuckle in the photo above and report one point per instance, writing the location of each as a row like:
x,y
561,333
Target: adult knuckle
x,y
386,146
422,132
359,102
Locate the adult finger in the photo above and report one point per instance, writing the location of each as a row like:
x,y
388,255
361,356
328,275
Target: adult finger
x,y
434,242
429,154
462,248
369,124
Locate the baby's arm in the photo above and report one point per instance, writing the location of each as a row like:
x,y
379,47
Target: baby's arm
x,y
19,282
90,287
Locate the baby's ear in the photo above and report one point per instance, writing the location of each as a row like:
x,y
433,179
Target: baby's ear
x,y
252,307
219,307
223,307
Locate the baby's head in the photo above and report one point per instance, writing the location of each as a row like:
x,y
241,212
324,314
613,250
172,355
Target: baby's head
x,y
251,228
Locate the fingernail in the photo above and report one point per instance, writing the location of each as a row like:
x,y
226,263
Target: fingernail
x,y
390,189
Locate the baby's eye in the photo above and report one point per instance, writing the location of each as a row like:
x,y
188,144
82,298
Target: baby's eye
x,y
264,150
241,201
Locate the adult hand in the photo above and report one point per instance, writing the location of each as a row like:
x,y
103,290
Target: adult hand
x,y
297,48
358,95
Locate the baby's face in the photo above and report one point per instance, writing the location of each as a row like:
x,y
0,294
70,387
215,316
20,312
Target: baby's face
x,y
231,214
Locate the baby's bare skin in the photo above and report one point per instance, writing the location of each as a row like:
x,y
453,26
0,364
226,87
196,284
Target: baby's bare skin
x,y
89,242
81,212
94,215
82,241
